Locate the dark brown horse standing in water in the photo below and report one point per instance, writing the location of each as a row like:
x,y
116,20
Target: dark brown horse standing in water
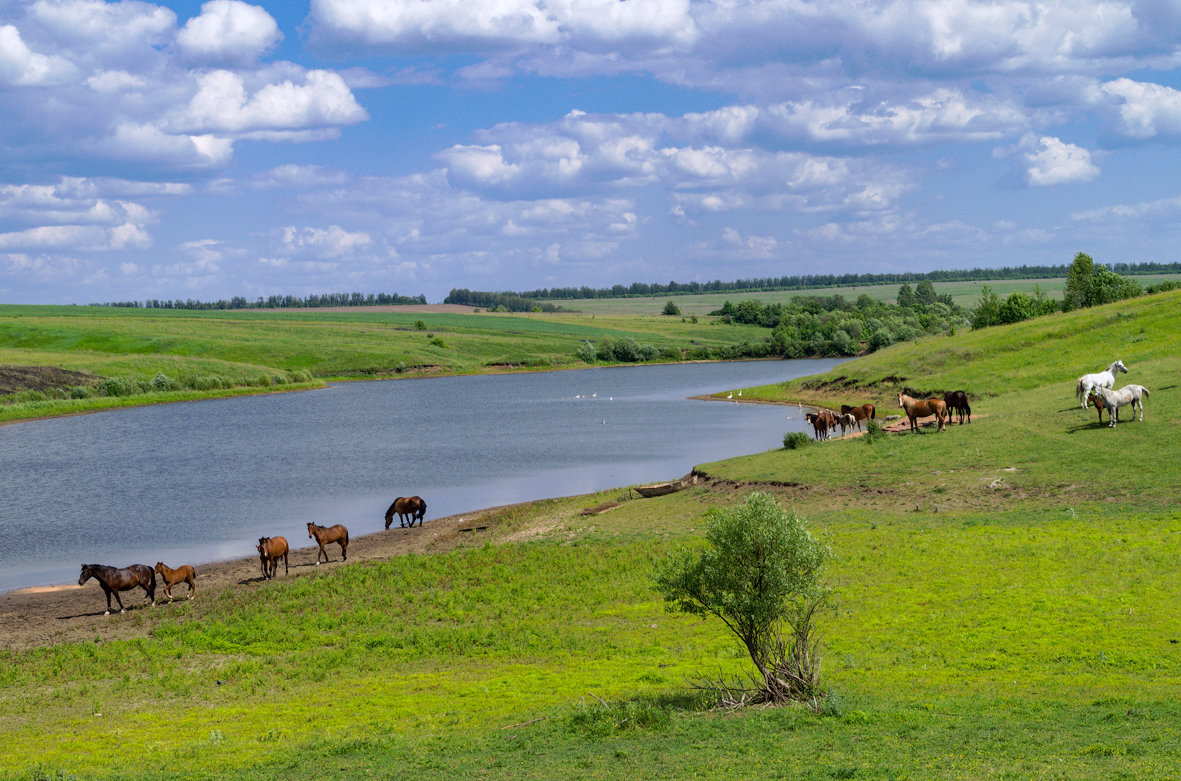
x,y
412,507
958,401
916,409
113,580
270,550
323,535
182,574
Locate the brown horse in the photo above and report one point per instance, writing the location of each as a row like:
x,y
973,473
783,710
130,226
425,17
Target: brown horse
x,y
864,412
822,422
324,535
958,401
916,409
412,507
270,550
114,580
182,574
1097,400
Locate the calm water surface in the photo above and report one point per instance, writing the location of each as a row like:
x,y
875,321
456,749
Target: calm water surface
x,y
201,481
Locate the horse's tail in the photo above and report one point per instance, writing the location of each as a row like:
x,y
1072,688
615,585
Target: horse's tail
x,y
1078,389
872,412
152,584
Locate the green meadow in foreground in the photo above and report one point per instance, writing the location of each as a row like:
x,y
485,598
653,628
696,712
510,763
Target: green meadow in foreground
x,y
1007,607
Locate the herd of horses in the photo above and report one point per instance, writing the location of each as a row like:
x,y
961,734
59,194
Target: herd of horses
x,y
1097,388
1091,388
270,550
824,421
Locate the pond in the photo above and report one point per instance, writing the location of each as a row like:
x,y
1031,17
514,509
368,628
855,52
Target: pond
x,y
201,481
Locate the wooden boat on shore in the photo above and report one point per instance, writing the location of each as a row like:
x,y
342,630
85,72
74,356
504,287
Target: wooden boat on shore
x,y
660,489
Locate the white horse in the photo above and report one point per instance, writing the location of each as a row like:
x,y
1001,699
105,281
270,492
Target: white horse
x,y
1129,394
1103,379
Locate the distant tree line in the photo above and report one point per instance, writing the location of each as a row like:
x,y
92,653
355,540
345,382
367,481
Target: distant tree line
x,y
275,302
1087,284
807,326
803,282
503,302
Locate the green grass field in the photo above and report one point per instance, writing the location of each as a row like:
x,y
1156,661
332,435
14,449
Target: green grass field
x,y
966,294
1007,608
251,348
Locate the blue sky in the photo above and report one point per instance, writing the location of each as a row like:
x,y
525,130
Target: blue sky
x,y
206,150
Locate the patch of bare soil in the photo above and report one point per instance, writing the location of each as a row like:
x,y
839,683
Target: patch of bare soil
x,y
47,615
14,379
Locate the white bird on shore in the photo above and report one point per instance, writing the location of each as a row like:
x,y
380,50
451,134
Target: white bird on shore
x,y
730,395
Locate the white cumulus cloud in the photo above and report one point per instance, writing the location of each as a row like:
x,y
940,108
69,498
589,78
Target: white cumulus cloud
x,y
1051,161
229,31
22,67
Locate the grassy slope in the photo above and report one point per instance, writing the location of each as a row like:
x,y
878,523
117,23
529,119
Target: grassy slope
x,y
1007,609
329,344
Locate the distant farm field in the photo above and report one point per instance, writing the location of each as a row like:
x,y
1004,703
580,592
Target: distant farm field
x,y
1006,608
965,294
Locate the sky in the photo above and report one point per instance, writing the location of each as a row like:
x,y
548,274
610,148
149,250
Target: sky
x,y
225,148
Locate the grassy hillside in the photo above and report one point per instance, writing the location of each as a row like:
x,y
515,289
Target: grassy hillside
x,y
261,350
1007,609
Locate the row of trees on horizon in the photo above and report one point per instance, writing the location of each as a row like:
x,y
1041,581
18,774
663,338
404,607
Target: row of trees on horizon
x,y
798,282
275,302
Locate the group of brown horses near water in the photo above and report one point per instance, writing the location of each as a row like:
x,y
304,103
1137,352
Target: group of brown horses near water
x,y
270,550
824,422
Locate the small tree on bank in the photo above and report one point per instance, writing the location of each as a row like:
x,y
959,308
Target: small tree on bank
x,y
671,308
763,574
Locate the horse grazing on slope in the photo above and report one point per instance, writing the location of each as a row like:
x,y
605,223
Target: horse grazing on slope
x,y
182,574
324,535
1103,379
958,401
864,412
270,550
916,409
113,580
1113,400
412,507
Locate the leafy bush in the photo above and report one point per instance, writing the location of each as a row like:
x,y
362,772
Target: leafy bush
x,y
437,341
873,432
763,574
118,386
586,352
794,440
162,382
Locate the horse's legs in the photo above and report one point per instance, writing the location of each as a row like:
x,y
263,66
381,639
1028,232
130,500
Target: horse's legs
x,y
118,599
285,569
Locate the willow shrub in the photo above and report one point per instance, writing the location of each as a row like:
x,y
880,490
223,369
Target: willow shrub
x,y
763,574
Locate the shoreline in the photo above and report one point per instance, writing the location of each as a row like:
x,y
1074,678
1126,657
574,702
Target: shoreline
x,y
38,616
